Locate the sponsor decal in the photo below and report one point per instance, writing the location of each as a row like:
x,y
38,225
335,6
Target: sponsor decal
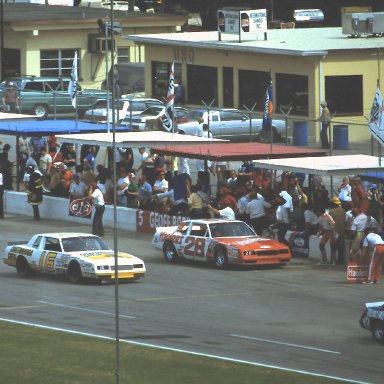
x,y
22,251
80,208
375,314
357,273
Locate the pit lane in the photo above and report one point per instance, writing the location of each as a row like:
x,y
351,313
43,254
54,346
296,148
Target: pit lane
x,y
301,317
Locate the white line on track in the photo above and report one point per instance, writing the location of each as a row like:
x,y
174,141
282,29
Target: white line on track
x,y
286,344
84,309
182,351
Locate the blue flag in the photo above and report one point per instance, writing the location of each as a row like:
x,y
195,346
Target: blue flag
x,y
268,107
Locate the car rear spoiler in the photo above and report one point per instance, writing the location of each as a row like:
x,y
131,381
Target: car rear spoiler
x,y
20,242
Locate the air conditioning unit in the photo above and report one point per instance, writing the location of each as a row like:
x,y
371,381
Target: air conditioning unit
x,y
99,44
357,24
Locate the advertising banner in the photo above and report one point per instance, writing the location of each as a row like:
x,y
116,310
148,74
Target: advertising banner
x,y
357,273
147,221
228,21
254,21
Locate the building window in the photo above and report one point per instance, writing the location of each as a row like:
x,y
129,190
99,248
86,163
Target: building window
x,y
202,84
123,55
58,62
160,78
292,94
344,94
252,88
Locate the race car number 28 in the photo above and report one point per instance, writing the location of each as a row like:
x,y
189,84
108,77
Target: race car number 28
x,y
194,247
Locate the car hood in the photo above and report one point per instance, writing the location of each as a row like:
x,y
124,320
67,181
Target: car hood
x,y
102,257
251,243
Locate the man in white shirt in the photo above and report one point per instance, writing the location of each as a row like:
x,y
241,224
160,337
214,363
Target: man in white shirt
x,y
224,212
373,246
96,196
122,185
45,162
161,185
256,209
358,227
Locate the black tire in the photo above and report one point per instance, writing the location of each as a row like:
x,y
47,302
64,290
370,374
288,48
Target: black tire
x,y
265,136
221,258
41,111
378,332
22,267
74,272
170,253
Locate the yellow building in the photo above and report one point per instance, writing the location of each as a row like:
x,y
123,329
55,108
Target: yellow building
x,y
41,40
307,66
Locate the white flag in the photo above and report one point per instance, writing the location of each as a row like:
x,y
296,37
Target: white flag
x,y
72,89
376,118
168,121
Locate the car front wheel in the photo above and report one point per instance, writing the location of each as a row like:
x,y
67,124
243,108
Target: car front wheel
x,y
170,253
41,111
74,272
220,260
378,332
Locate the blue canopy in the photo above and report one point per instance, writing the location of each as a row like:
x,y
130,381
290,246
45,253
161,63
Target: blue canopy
x,y
373,176
47,127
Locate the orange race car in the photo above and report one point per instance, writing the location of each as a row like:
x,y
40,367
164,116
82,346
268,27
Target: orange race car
x,y
220,242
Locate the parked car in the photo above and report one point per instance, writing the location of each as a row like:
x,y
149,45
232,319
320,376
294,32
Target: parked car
x,y
125,107
41,96
372,319
230,123
220,242
153,119
75,255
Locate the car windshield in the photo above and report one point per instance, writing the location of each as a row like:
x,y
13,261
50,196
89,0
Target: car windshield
x,y
84,243
230,229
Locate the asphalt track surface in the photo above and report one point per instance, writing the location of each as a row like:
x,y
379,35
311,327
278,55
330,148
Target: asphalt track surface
x,y
301,317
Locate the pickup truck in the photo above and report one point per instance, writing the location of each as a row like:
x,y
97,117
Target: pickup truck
x,y
229,123
41,96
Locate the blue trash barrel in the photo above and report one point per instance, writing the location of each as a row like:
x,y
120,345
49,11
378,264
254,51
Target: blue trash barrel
x,y
340,136
300,133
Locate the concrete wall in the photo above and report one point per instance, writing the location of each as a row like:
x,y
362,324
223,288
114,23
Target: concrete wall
x,y
57,208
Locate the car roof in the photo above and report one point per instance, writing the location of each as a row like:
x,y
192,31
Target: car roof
x,y
37,78
64,235
211,221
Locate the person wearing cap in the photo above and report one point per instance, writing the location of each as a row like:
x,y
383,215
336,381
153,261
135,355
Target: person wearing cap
x,y
11,98
373,250
35,190
325,119
97,198
326,233
338,215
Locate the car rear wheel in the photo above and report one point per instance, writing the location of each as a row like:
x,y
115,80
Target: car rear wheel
x,y
22,267
40,111
378,332
74,273
170,253
221,259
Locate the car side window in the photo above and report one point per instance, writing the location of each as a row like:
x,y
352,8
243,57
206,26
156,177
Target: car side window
x,y
198,230
34,86
214,117
37,242
225,116
52,244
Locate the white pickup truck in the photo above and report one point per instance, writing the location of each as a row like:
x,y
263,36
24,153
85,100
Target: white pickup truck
x,y
230,124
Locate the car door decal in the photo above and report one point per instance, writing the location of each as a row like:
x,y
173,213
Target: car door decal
x,y
47,261
194,246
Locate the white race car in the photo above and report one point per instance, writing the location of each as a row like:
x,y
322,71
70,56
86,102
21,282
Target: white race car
x,y
77,255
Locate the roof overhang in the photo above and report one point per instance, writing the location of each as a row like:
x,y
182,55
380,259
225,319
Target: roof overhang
x,y
136,139
325,166
238,151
